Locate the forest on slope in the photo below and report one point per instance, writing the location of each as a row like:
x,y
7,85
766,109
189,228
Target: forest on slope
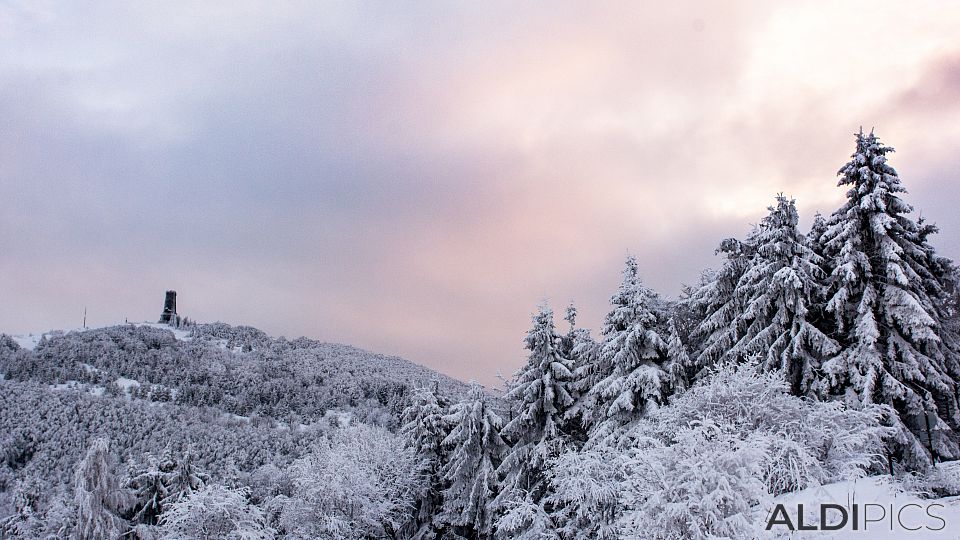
x,y
808,358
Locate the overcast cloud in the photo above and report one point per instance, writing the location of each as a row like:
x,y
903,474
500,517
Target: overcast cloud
x,y
414,178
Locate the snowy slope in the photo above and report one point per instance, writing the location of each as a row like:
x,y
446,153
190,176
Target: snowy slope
x,y
880,499
27,341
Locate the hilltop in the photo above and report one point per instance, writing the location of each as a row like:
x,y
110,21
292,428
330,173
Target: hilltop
x,y
238,369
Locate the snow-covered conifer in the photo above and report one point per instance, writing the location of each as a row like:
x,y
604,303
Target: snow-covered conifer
x,y
783,279
475,450
149,491
586,493
815,236
719,306
679,362
540,397
632,354
423,426
568,341
526,519
584,358
424,430
887,299
27,519
182,479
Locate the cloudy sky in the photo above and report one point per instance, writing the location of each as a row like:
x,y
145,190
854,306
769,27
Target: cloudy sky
x,y
414,178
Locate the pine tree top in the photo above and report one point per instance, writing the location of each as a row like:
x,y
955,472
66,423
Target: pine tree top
x,y
633,302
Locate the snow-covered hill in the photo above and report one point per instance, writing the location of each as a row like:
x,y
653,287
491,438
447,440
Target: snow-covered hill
x,y
231,403
238,369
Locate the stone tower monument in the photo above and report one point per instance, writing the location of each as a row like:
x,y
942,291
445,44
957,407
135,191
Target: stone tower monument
x,y
169,308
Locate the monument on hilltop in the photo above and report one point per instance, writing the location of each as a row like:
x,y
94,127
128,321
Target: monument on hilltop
x,y
169,314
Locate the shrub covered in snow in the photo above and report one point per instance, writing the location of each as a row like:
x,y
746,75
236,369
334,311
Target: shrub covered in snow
x,y
214,512
697,467
811,442
362,483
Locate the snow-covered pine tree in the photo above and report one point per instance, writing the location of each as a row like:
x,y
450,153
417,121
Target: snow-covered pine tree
x,y
783,279
815,236
581,350
585,359
717,305
182,479
887,298
952,304
424,430
568,341
679,360
100,500
149,489
27,518
632,355
540,398
475,449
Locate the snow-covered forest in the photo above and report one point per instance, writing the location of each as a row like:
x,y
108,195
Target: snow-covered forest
x,y
808,358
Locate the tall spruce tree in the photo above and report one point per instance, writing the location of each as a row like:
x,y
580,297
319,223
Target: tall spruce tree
x,y
583,352
540,397
783,279
680,362
719,307
571,348
147,484
633,356
182,479
888,298
475,449
815,236
424,430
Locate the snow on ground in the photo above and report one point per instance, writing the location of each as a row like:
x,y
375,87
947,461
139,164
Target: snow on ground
x,y
891,512
89,368
179,334
28,341
126,384
338,418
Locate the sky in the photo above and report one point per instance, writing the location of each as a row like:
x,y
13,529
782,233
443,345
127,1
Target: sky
x,y
414,178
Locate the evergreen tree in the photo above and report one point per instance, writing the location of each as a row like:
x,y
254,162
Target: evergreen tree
x,y
632,354
887,298
680,362
568,341
99,498
475,449
182,479
424,430
718,306
784,277
585,358
27,518
581,351
149,492
540,398
815,236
